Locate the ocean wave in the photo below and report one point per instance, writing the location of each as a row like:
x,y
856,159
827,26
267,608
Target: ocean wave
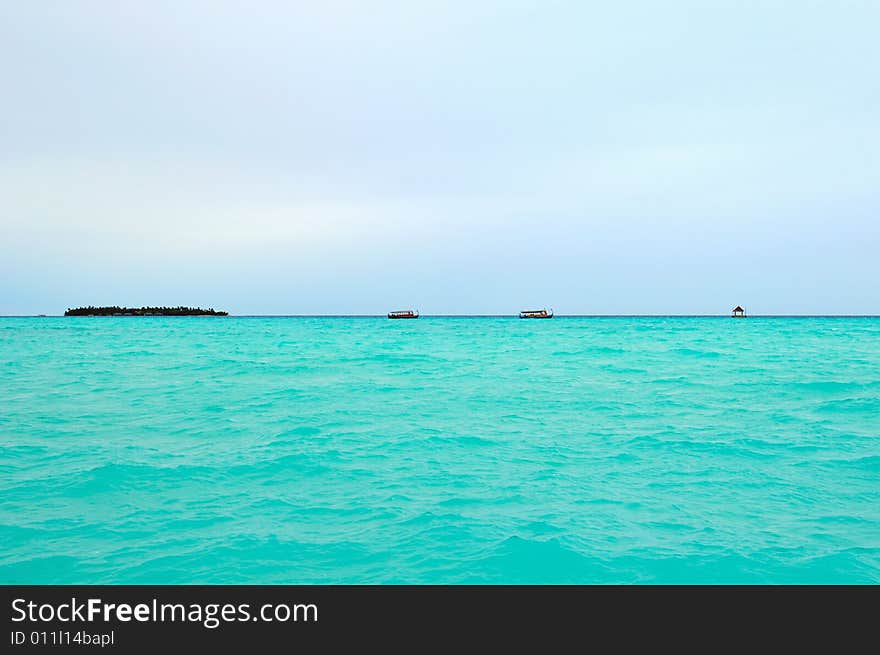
x,y
334,451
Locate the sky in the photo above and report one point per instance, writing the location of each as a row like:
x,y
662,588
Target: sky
x,y
479,157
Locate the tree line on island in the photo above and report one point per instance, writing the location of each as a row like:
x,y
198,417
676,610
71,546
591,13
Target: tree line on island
x,y
143,311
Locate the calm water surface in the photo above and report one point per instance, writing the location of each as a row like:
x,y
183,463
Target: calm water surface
x,y
331,450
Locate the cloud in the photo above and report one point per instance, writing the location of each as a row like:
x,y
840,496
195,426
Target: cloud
x,y
430,149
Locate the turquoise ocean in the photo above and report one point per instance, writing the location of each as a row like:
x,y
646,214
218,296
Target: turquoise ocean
x,y
440,450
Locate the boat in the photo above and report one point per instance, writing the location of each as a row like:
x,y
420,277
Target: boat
x,y
536,313
404,313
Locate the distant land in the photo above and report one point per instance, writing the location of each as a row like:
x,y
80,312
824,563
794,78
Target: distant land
x,y
143,311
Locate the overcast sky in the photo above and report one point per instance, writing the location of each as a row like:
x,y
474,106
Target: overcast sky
x,y
454,157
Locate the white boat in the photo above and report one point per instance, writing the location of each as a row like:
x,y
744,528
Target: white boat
x,y
536,313
404,313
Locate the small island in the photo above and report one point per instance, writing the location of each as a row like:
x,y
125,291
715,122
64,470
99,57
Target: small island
x,y
143,311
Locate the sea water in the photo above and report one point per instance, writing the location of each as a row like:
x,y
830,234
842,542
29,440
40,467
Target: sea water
x,y
439,450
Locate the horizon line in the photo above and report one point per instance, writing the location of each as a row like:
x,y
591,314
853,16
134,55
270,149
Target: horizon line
x,y
462,316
